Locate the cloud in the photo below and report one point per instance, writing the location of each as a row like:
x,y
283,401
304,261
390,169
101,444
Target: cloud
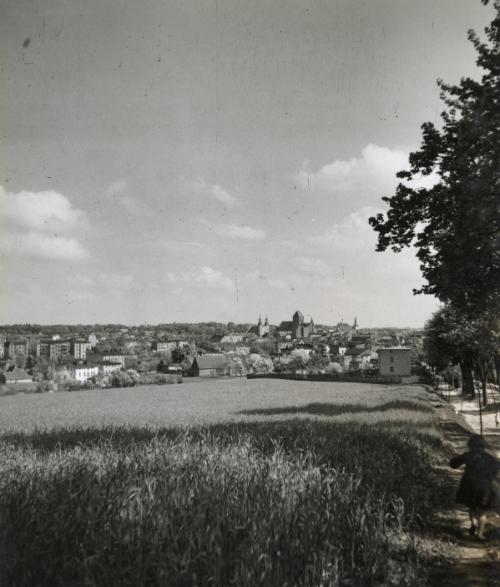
x,y
222,196
238,231
375,169
42,246
265,280
47,211
41,225
312,266
215,191
243,232
200,277
182,246
118,191
351,242
353,233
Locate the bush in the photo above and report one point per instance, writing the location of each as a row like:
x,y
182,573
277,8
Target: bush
x,y
46,386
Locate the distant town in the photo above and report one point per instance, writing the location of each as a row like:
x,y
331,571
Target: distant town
x,y
37,358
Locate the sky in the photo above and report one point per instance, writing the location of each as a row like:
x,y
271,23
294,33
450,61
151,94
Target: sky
x,y
203,160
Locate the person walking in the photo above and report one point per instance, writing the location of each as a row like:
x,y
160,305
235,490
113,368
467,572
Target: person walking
x,y
476,489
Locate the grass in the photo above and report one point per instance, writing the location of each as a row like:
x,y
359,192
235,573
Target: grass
x,y
205,402
296,503
322,499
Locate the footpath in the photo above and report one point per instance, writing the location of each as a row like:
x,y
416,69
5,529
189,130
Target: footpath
x,y
478,562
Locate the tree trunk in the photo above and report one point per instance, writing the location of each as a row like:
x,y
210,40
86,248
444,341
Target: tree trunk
x,y
481,368
485,391
467,377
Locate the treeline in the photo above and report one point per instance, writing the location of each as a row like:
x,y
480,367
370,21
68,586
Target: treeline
x,y
206,329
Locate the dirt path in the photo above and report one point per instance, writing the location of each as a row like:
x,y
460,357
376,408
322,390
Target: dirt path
x,y
478,563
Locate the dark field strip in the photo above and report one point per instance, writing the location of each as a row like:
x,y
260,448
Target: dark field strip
x,y
285,503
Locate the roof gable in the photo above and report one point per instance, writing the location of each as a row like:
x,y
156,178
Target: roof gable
x,y
211,362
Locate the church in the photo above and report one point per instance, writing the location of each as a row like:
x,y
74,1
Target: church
x,y
297,328
261,329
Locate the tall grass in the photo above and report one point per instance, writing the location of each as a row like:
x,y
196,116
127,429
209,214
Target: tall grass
x,y
297,503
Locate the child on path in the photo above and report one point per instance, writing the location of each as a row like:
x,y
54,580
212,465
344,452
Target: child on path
x,y
476,486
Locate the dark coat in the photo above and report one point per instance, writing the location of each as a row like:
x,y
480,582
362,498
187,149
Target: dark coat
x,y
476,486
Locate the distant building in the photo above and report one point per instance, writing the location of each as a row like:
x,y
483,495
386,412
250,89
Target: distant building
x,y
350,358
394,361
79,348
214,365
261,329
15,375
345,329
92,339
233,338
296,328
107,367
53,348
83,373
15,348
366,359
299,328
359,342
114,358
167,346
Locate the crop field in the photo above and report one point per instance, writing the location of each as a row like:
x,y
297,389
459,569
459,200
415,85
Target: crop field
x,y
212,401
228,482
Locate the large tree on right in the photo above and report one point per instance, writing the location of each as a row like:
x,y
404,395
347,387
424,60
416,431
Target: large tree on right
x,y
454,225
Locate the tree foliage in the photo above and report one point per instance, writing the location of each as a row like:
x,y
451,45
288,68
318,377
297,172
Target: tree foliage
x,y
473,343
454,225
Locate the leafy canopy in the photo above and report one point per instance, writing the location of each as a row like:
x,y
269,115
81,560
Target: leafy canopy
x,y
454,225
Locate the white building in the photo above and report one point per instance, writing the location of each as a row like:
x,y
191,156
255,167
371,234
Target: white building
x,y
79,348
82,374
108,367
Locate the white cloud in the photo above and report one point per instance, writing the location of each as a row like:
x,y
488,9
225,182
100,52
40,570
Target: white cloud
x,y
119,192
47,211
41,225
222,196
42,246
199,277
238,231
375,169
215,191
116,189
241,231
352,243
352,233
265,280
312,266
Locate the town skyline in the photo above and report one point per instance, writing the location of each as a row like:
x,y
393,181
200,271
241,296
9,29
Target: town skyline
x,y
195,162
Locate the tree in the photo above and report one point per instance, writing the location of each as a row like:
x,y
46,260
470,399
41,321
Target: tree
x,y
162,367
318,362
444,346
178,355
454,225
453,337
